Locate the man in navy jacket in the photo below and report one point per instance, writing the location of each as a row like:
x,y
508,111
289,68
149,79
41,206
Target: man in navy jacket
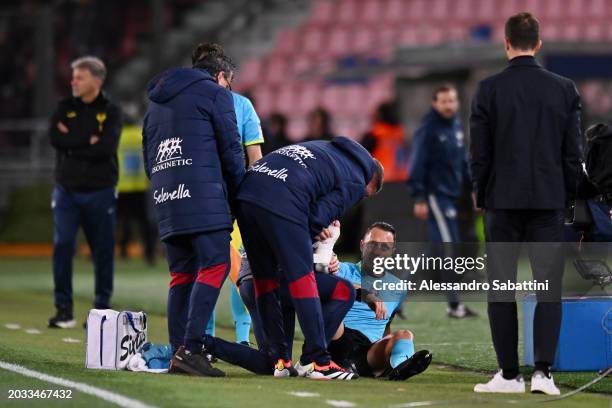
x,y
286,200
438,173
194,159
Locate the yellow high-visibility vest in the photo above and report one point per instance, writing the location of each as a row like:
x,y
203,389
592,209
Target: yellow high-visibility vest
x,y
132,176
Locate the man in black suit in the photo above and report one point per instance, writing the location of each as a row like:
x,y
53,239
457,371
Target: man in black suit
x,y
525,154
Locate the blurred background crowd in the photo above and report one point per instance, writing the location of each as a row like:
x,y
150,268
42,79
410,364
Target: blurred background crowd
x,y
313,69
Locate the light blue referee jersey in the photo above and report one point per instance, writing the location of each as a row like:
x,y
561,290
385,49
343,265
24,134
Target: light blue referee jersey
x,y
360,317
249,125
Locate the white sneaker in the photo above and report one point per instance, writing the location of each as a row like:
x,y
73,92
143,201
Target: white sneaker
x,y
461,312
302,369
499,384
285,369
542,384
329,372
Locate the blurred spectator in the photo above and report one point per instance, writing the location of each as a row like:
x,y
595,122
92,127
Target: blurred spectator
x,y
85,131
132,202
438,171
277,132
319,125
386,142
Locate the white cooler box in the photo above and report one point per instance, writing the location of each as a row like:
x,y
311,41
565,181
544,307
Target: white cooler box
x,y
114,337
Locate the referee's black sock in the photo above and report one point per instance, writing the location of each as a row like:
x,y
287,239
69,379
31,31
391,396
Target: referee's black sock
x,y
510,374
543,367
339,350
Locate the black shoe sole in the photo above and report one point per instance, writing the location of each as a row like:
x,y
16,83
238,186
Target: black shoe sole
x,y
179,366
411,367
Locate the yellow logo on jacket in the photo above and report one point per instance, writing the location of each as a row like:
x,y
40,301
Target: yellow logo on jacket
x,y
101,117
71,114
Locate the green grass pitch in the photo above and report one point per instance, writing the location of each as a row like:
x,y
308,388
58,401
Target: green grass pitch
x,y
463,354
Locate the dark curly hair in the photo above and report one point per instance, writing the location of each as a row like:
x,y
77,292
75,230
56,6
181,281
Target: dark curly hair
x,y
212,58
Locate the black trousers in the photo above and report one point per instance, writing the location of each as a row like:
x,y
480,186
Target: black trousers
x,y
132,209
542,230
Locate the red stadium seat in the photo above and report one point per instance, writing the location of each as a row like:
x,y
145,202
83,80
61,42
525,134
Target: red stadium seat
x,y
571,32
417,10
312,40
286,98
594,32
346,12
309,97
265,100
550,32
395,11
338,41
275,69
553,9
439,9
408,36
486,10
464,10
372,11
596,8
249,73
286,41
363,40
323,12
457,33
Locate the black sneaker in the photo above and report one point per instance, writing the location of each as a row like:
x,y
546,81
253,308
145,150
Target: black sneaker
x,y
416,364
63,319
193,364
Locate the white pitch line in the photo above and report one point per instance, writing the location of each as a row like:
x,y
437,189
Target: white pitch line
x,y
111,397
70,340
33,331
340,403
12,326
304,394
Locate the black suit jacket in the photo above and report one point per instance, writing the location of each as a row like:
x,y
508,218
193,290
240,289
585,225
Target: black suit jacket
x,y
525,138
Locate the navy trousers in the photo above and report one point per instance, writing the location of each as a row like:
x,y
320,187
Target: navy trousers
x,y
95,212
272,244
443,228
199,264
337,297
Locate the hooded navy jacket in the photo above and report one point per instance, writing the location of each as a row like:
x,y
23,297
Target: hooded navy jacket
x,y
438,162
192,152
310,183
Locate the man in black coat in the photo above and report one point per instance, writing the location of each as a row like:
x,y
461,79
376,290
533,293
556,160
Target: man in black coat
x,y
525,155
84,131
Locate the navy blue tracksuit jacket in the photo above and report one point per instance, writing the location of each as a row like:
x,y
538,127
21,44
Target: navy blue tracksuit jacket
x,y
192,152
310,183
438,163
